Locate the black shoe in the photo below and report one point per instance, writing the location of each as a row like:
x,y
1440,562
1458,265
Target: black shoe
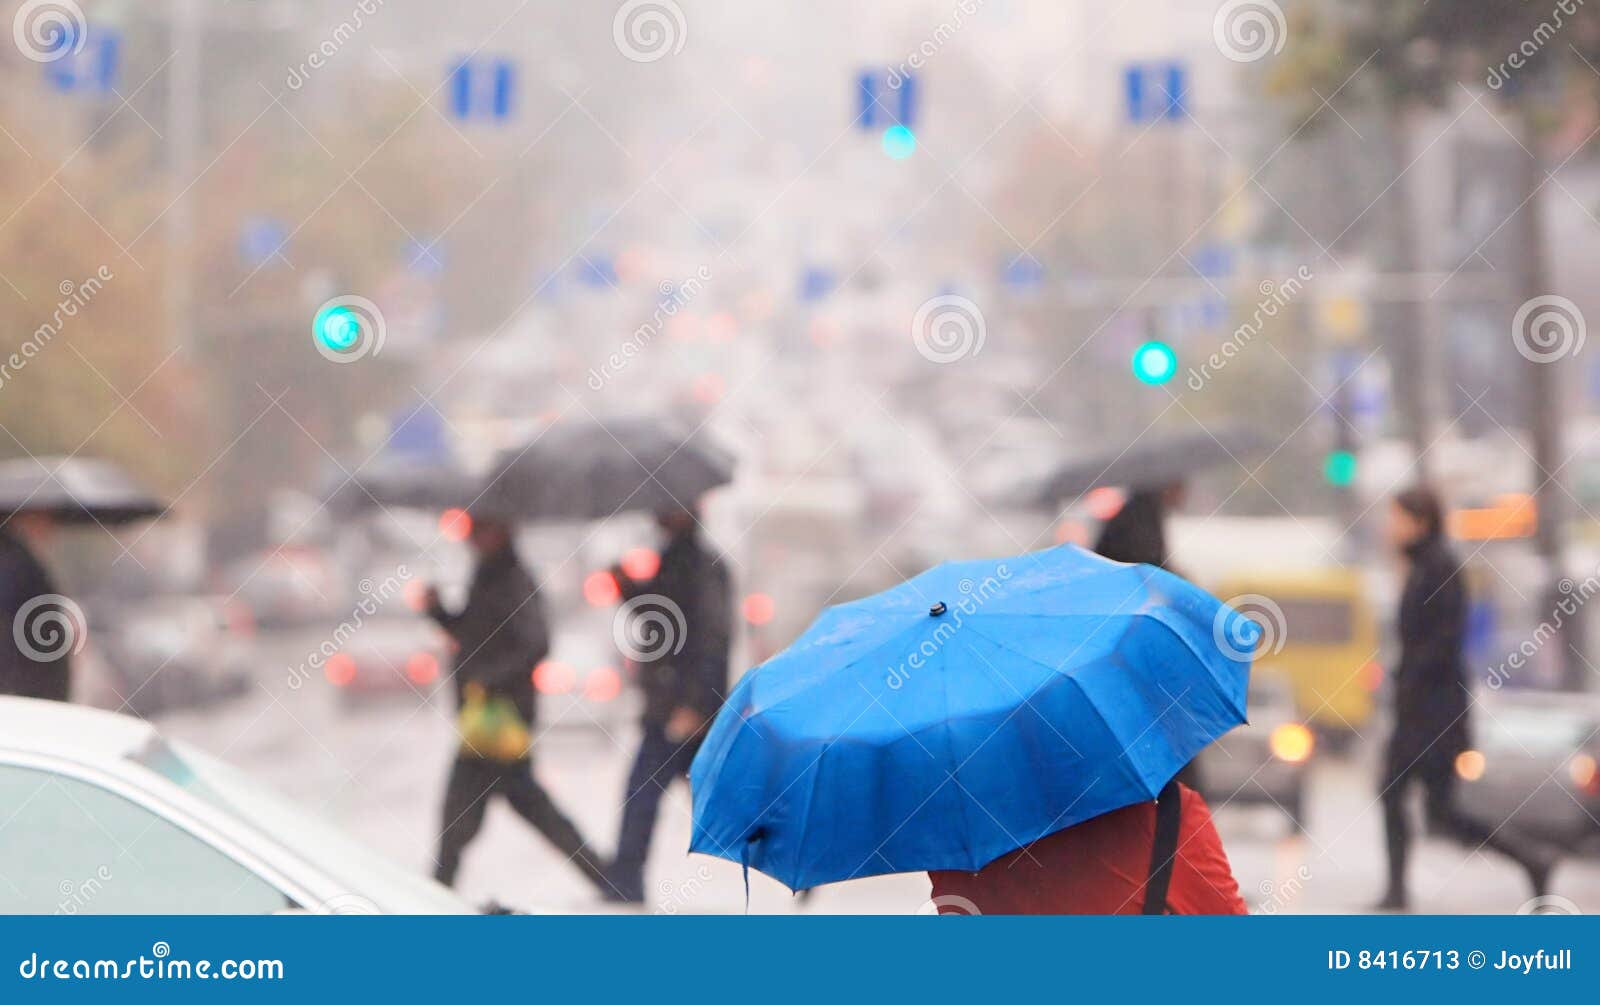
x,y
1394,901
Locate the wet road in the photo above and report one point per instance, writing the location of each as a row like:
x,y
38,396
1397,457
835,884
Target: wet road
x,y
377,767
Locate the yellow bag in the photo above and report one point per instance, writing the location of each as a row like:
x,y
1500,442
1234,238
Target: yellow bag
x,y
490,726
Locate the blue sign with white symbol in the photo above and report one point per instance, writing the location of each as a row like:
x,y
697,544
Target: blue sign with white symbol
x,y
597,272
1155,92
481,88
1025,272
816,283
84,62
883,102
260,239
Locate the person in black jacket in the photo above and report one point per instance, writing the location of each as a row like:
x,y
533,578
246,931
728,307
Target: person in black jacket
x,y
500,635
1432,702
678,632
40,628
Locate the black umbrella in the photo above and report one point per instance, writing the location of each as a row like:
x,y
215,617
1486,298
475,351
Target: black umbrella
x,y
1150,462
74,490
588,469
404,483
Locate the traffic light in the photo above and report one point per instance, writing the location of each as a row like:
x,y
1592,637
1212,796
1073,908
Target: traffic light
x,y
1339,468
338,327
899,142
1155,362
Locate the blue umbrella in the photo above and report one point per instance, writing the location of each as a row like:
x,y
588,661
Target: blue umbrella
x,y
965,713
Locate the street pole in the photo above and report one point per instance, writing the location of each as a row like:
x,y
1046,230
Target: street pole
x,y
183,90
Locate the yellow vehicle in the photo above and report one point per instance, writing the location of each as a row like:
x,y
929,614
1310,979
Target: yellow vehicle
x,y
1320,634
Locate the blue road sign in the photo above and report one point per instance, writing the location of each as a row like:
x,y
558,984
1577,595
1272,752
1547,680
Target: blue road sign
x,y
597,272
881,103
1213,261
1022,273
85,62
260,239
482,87
422,258
1155,91
816,283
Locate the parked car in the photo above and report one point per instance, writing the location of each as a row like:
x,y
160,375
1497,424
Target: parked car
x,y
161,653
286,588
107,817
1534,765
1263,762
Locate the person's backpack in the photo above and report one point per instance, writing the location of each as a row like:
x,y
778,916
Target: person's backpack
x,y
1164,850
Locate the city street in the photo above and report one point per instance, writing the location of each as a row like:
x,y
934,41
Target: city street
x,y
378,770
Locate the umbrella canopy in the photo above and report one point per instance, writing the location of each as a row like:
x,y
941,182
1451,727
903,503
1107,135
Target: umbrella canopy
x,y
588,469
398,483
74,490
965,713
1150,463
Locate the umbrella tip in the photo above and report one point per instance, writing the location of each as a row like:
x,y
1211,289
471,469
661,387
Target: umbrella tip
x,y
937,609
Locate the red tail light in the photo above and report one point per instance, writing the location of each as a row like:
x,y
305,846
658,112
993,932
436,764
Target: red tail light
x,y
422,668
455,524
641,564
340,670
554,677
601,590
759,608
603,684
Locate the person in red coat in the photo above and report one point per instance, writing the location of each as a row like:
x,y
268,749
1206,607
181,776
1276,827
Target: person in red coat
x,y
1105,865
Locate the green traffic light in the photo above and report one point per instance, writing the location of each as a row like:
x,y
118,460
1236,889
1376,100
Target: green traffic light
x,y
899,142
1339,468
337,327
1155,363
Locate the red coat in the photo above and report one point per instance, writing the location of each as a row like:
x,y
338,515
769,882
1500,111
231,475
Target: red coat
x,y
1100,867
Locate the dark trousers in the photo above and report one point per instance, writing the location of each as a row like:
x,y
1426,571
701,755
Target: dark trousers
x,y
473,781
659,761
1435,771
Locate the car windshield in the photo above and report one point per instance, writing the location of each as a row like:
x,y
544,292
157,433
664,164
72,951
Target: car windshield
x,y
366,873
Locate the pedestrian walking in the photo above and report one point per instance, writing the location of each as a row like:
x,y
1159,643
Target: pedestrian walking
x,y
40,627
500,635
683,672
1432,703
1162,857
